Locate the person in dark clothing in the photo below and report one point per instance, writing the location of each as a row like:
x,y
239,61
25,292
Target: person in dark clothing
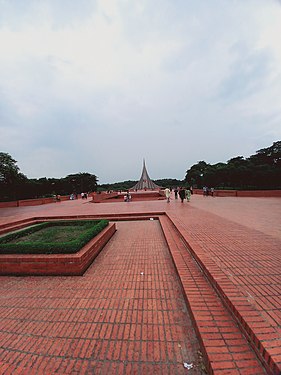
x,y
182,194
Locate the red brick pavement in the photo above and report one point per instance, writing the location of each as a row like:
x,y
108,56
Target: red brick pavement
x,y
243,263
236,241
126,315
262,214
226,350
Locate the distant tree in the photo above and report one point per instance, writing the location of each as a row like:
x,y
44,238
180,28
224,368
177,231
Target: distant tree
x,y
259,171
80,182
116,186
11,180
268,156
74,183
45,187
169,182
8,168
236,172
266,167
196,175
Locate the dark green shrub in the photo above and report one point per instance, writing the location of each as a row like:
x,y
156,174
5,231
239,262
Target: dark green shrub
x,y
89,229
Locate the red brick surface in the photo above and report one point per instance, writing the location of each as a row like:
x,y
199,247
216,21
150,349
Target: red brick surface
x,y
126,314
244,265
237,243
226,349
135,196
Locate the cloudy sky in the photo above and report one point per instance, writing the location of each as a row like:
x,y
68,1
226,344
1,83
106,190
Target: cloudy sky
x,y
97,85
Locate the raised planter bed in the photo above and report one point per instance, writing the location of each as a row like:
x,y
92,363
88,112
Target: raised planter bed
x,y
56,264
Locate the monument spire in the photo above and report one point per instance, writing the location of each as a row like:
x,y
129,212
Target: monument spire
x,y
145,182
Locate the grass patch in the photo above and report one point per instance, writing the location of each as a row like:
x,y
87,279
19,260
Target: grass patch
x,y
54,237
55,234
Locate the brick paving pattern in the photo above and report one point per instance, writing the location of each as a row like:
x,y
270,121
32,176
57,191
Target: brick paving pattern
x,y
236,242
126,314
226,349
245,264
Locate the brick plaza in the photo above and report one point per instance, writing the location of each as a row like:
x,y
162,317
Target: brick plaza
x,y
204,278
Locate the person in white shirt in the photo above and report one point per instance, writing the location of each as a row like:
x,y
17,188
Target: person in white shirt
x,y
167,194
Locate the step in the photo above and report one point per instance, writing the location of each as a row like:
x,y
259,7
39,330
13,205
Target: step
x,y
226,349
16,225
262,336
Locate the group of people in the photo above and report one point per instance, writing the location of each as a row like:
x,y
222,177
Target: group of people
x,y
127,197
56,197
181,192
75,196
208,191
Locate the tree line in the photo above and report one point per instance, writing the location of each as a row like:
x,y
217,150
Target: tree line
x,y
14,185
126,185
259,171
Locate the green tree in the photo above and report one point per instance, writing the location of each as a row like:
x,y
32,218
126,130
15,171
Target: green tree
x,y
268,156
80,182
196,175
266,167
170,182
11,180
124,185
237,171
260,171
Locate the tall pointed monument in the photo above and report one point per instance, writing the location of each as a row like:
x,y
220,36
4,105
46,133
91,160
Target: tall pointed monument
x,y
145,182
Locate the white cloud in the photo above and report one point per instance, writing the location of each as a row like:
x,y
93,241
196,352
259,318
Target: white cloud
x,y
118,81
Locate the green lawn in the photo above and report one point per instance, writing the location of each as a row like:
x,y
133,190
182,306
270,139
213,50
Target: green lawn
x,y
52,234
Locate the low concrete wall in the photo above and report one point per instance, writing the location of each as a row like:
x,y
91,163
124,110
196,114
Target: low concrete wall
x,y
32,202
244,193
56,264
97,198
135,196
35,202
8,204
259,193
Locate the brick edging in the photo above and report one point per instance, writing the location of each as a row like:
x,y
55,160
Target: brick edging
x,y
238,306
56,264
225,348
62,264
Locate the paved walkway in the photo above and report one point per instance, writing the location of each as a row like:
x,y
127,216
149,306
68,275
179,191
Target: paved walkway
x,y
236,241
126,314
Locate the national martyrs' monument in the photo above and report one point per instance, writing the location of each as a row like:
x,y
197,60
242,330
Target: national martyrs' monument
x,y
145,182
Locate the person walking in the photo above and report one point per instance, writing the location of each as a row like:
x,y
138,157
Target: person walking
x,y
188,194
168,194
182,194
205,190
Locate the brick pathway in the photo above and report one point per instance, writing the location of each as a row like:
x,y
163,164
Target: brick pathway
x,y
236,242
227,351
243,262
126,315
262,214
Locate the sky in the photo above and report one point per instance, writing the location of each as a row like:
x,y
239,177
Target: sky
x,y
96,86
